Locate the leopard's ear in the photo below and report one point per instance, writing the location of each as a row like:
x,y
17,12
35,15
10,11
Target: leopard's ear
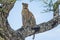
x,y
24,4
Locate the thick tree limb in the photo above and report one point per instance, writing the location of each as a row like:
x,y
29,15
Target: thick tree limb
x,y
6,32
39,28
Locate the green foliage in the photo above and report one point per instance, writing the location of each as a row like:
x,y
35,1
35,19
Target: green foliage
x,y
55,6
48,5
0,1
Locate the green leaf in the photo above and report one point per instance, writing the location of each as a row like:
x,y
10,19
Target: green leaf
x,y
55,6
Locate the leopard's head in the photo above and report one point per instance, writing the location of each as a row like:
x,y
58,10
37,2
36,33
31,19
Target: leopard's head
x,y
25,5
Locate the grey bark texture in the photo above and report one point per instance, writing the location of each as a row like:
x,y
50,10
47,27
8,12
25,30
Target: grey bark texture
x,y
7,33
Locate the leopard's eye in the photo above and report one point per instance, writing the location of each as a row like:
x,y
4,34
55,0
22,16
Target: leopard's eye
x,y
1,5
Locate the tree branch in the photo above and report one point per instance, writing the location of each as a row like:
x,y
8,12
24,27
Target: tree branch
x,y
39,28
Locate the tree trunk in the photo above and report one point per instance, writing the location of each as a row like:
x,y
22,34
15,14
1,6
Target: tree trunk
x,y
7,33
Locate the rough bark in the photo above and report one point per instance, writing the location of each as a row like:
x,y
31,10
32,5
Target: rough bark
x,y
7,33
